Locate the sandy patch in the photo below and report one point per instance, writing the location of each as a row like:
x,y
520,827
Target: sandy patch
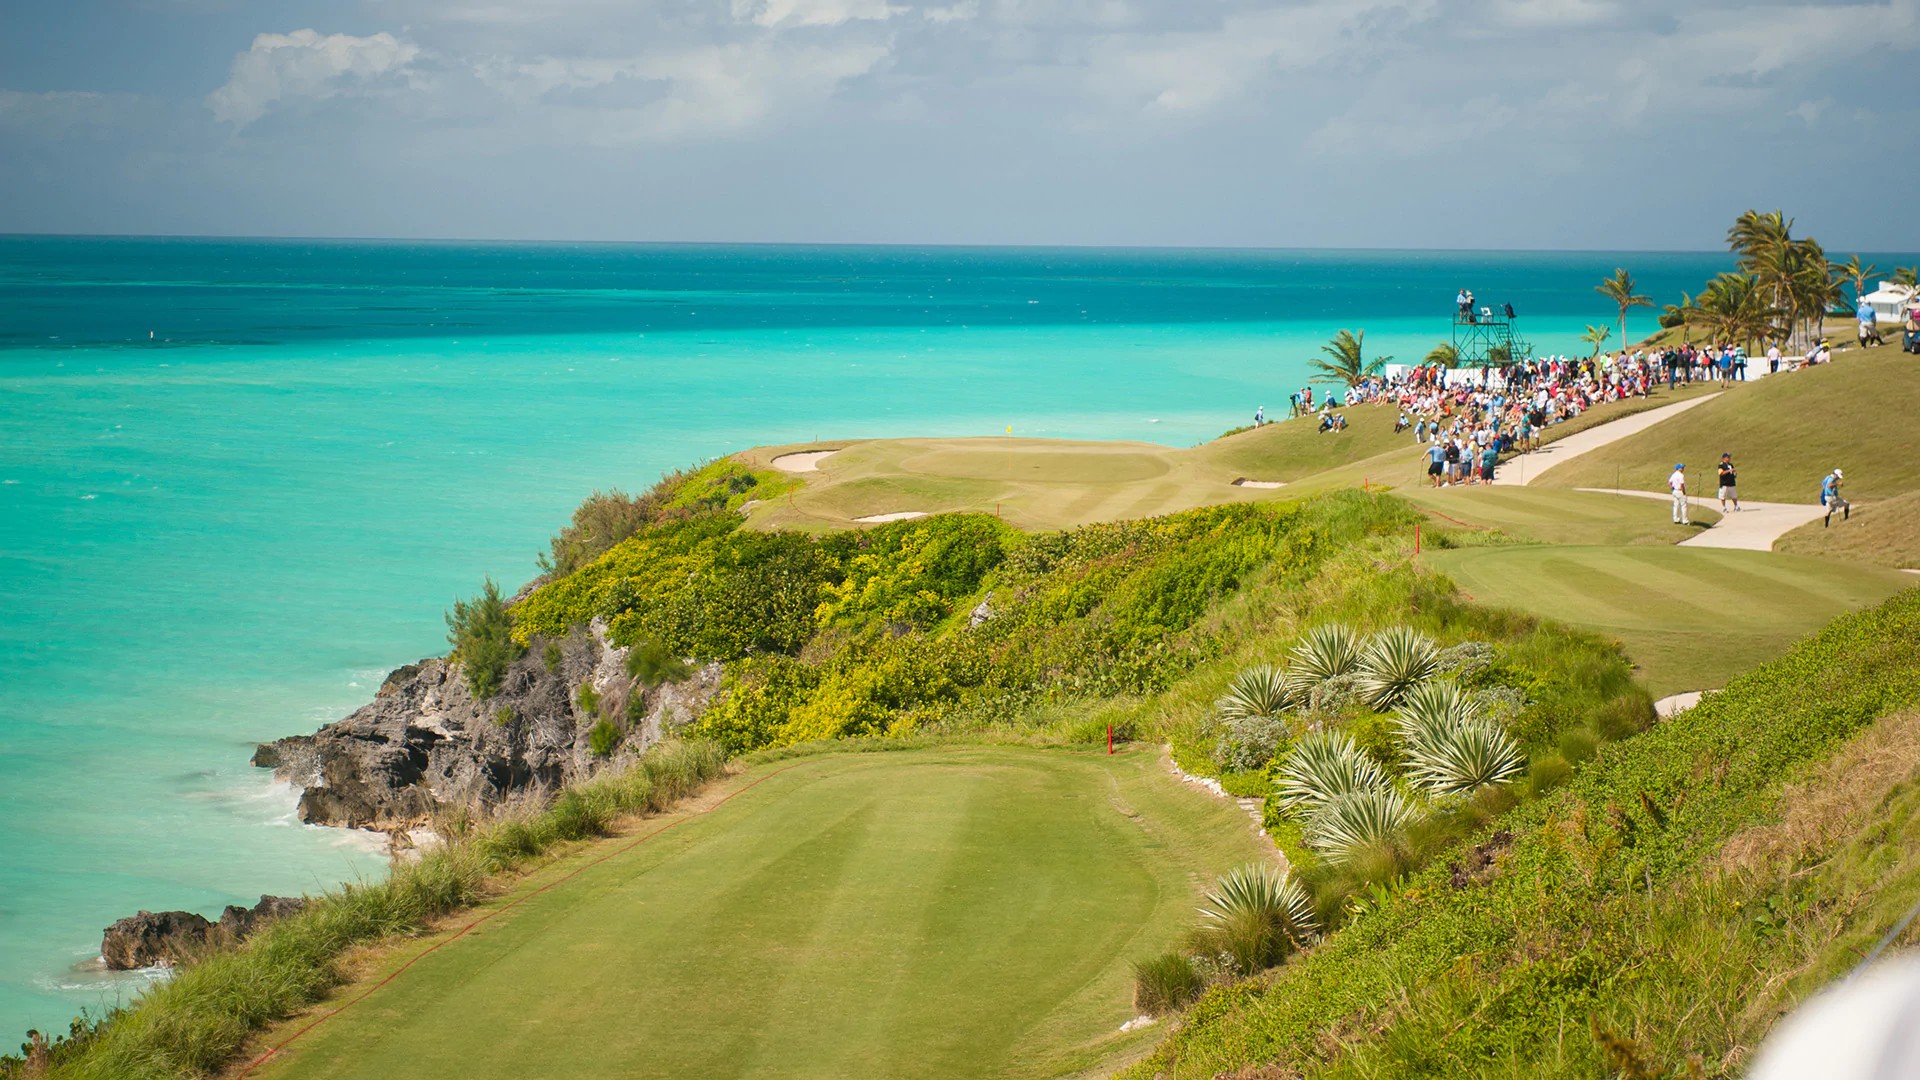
x,y
1246,483
903,515
806,462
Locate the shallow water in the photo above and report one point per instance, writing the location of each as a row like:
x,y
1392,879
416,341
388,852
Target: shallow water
x,y
231,531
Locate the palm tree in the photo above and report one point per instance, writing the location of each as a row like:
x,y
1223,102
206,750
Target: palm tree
x,y
1906,275
1345,362
1619,289
1733,307
1754,232
1596,335
1444,355
1852,271
1499,355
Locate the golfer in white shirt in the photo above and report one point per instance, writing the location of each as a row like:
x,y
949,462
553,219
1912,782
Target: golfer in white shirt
x,y
1677,483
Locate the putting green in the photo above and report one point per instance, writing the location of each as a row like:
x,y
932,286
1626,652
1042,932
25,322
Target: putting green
x,y
1691,618
931,913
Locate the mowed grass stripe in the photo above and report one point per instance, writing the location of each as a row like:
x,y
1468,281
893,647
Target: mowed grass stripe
x,y
1689,617
926,913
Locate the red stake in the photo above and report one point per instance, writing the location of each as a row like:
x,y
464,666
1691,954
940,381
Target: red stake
x,y
1109,738
1416,538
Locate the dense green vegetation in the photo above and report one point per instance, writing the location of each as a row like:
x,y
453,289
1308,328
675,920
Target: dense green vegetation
x,y
481,633
1569,938
193,1024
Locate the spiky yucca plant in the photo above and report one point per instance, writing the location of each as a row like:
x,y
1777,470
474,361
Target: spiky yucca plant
x,y
1323,766
1357,819
1257,691
1255,916
1464,758
1431,709
1395,661
1325,652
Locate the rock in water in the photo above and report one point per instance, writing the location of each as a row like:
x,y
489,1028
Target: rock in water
x,y
173,937
425,743
149,938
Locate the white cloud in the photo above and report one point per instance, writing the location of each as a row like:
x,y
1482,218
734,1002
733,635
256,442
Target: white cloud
x,y
812,12
960,12
307,64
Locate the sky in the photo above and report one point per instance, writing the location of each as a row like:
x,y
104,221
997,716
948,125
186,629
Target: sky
x,y
1590,124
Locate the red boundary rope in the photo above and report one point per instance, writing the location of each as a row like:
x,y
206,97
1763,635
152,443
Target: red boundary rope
x,y
503,909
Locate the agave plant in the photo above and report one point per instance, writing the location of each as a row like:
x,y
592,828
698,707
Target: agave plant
x,y
1257,691
1348,822
1255,916
1326,652
1323,766
1395,661
1430,710
1464,758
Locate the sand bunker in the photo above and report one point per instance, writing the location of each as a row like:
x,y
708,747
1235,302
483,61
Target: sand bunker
x,y
1246,483
904,515
806,462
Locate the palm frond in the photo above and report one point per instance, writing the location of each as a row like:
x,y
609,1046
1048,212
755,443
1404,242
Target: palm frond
x,y
1256,691
1356,820
1325,651
1459,760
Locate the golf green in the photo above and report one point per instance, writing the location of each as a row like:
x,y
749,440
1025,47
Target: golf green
x,y
1691,618
929,913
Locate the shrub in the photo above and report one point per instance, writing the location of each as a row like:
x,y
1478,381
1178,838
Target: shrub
x,y
1325,653
1395,661
1257,691
1464,758
481,633
1165,983
1349,822
504,716
653,665
602,520
604,738
551,657
1254,917
1250,742
588,698
1322,767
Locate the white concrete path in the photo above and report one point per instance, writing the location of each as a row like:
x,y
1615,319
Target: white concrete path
x,y
1526,468
1754,528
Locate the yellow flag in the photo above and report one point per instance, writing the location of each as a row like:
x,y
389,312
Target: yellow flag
x,y
1009,429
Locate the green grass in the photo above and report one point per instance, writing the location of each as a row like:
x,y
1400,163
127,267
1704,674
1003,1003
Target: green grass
x,y
1884,533
1046,484
945,912
1652,918
1785,432
1690,618
1551,516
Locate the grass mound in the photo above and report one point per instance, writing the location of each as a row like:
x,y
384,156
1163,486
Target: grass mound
x,y
1785,432
1676,873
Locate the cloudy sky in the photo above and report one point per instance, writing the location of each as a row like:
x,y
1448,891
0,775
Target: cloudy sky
x,y
1409,123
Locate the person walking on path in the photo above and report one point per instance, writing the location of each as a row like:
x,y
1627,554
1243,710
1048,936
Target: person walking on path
x,y
1436,461
1677,483
1728,480
1830,498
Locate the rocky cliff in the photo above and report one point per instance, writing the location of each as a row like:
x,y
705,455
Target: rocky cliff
x,y
425,743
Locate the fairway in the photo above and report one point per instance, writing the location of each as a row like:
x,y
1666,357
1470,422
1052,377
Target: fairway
x,y
929,913
1690,618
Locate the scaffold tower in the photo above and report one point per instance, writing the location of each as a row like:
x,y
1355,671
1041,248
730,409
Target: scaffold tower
x,y
1488,338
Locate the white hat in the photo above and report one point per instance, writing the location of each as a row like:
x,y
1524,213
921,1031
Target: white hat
x,y
1840,474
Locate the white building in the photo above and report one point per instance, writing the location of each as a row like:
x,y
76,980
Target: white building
x,y
1890,302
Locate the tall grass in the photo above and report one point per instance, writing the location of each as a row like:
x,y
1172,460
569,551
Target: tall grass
x,y
195,1023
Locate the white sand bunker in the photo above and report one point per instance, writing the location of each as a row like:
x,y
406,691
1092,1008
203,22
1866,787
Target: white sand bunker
x,y
904,515
1246,483
805,462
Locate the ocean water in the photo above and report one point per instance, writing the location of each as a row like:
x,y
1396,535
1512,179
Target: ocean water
x,y
240,480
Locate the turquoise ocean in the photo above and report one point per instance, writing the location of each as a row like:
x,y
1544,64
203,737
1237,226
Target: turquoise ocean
x,y
240,480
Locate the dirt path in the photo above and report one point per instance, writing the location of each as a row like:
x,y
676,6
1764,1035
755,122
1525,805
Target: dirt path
x,y
1528,467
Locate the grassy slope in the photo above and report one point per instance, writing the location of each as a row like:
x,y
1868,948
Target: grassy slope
x,y
1045,484
953,912
1608,942
1785,432
1691,618
1886,533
